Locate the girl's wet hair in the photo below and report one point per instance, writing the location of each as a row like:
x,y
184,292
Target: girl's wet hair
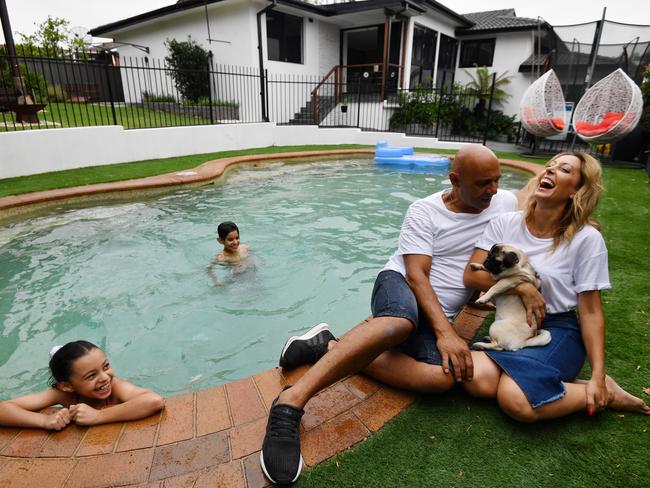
x,y
62,360
226,228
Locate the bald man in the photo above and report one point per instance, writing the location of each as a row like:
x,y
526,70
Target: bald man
x,y
409,342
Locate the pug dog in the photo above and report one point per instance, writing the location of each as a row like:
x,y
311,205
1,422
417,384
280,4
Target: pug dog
x,y
510,331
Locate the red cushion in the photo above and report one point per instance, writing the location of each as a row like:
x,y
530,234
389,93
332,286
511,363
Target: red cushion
x,y
609,119
557,123
613,116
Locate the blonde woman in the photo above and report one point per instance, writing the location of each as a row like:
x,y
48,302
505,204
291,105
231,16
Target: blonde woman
x,y
567,250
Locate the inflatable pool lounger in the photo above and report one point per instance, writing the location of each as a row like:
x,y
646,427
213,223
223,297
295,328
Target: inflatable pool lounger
x,y
405,156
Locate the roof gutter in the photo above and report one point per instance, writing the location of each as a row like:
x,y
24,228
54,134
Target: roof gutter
x,y
260,51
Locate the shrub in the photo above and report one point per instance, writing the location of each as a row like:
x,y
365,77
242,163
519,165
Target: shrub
x,y
56,94
501,124
35,83
205,101
152,97
189,64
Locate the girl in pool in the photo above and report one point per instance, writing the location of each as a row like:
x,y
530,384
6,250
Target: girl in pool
x,y
83,383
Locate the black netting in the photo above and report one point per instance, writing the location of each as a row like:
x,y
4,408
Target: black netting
x,y
624,46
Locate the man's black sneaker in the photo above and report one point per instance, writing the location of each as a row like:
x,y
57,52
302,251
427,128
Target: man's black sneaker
x,y
280,457
307,348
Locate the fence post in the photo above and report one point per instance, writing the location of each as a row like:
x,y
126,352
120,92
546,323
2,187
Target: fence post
x,y
487,117
359,102
110,91
441,98
209,66
265,116
266,89
441,92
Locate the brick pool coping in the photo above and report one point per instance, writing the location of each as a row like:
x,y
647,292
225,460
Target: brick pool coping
x,y
205,173
211,437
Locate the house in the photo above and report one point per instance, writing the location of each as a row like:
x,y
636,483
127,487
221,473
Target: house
x,y
505,43
384,43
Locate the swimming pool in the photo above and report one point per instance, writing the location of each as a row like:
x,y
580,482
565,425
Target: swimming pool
x,y
132,277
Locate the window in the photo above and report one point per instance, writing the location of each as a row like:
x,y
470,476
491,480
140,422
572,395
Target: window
x,y
423,57
284,37
478,52
446,61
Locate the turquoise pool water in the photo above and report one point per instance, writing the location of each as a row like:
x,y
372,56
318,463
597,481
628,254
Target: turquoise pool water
x,y
132,277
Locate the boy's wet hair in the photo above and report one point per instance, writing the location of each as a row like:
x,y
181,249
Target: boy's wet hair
x,y
226,228
62,360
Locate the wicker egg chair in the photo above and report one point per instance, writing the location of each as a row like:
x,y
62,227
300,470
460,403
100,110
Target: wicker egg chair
x,y
542,107
608,110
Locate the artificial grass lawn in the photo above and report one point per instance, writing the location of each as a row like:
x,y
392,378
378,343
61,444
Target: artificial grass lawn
x,y
455,440
61,114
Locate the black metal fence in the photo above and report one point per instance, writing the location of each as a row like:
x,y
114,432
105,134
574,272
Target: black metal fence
x,y
87,89
625,150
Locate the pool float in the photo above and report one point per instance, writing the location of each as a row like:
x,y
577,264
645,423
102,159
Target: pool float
x,y
405,156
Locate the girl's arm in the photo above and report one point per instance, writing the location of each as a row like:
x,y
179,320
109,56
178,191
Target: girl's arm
x,y
592,327
133,403
24,411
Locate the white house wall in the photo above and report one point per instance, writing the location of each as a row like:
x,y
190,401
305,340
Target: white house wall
x,y
510,50
328,47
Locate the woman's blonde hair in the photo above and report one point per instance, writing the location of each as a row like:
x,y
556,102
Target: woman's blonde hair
x,y
578,210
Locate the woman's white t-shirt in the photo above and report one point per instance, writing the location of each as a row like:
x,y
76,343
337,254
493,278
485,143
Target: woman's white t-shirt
x,y
570,269
431,229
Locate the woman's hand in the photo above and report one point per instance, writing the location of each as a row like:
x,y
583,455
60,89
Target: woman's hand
x,y
533,302
596,395
83,414
57,420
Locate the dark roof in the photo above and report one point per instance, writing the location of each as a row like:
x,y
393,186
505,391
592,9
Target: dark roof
x,y
152,14
500,21
329,10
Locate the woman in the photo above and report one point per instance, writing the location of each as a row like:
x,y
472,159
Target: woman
x,y
569,254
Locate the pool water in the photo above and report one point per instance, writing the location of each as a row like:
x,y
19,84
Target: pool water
x,y
132,277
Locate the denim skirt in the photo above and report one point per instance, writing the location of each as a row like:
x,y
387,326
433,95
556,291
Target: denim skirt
x,y
540,372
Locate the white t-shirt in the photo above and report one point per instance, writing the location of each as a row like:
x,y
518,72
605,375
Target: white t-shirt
x,y
570,269
431,229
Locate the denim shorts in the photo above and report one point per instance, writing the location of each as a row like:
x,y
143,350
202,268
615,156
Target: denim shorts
x,y
540,372
393,297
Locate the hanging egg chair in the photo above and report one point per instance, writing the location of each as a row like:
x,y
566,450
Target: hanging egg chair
x,y
608,110
542,106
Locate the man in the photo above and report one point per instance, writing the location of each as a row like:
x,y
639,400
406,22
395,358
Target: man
x,y
410,342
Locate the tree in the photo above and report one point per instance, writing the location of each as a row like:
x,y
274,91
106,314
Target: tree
x,y
481,85
51,36
189,64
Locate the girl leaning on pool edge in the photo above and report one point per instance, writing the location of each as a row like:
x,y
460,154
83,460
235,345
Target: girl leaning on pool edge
x,y
87,389
568,252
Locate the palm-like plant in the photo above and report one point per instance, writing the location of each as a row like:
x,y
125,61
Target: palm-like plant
x,y
481,85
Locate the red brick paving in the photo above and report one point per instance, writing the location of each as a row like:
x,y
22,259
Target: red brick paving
x,y
211,438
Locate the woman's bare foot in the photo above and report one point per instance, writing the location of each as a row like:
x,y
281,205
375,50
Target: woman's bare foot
x,y
619,399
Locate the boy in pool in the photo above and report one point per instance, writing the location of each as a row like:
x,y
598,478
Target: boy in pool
x,y
234,254
228,236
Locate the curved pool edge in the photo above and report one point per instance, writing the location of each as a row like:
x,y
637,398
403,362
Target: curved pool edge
x,y
16,205
210,437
